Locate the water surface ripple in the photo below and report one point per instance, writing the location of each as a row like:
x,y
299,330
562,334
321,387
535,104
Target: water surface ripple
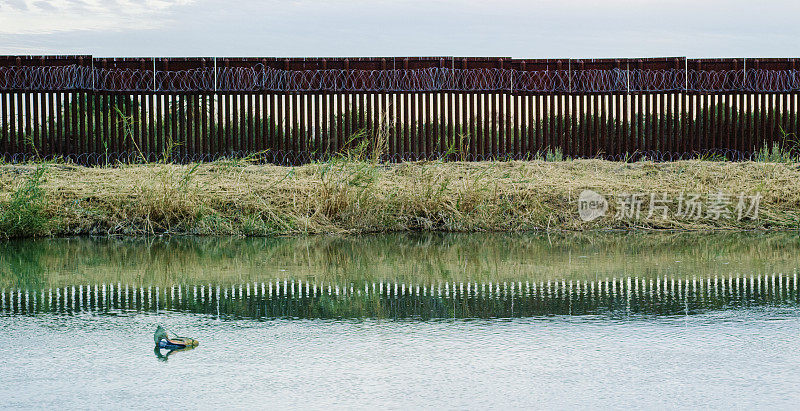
x,y
608,320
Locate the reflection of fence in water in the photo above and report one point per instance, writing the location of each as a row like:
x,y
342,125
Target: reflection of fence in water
x,y
301,299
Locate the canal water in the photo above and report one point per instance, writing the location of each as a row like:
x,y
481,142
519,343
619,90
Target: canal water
x,y
606,320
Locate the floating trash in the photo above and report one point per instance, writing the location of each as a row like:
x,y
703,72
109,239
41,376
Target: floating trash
x,y
163,340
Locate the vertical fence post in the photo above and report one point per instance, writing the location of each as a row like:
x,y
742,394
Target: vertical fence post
x,y
625,141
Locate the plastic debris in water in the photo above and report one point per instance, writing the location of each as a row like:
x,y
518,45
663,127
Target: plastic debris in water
x,y
163,340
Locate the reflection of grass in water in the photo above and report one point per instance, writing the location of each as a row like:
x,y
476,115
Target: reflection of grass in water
x,y
411,258
351,307
324,306
22,266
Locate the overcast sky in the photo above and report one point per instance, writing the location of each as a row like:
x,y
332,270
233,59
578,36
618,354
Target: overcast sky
x,y
532,28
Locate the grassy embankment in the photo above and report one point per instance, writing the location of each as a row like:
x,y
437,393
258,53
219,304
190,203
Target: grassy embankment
x,y
357,194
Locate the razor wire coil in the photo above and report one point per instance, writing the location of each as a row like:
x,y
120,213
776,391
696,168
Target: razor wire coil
x,y
260,78
295,158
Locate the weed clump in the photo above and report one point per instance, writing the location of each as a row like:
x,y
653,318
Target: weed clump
x,y
23,215
775,153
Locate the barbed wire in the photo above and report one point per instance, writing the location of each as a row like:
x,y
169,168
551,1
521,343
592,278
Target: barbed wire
x,y
295,158
261,78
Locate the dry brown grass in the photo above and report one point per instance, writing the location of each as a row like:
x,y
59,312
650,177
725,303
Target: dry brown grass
x,y
348,196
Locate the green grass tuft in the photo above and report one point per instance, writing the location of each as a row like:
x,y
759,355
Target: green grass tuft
x,y
23,215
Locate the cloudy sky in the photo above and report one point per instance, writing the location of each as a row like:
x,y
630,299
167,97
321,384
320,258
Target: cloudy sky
x,y
516,28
